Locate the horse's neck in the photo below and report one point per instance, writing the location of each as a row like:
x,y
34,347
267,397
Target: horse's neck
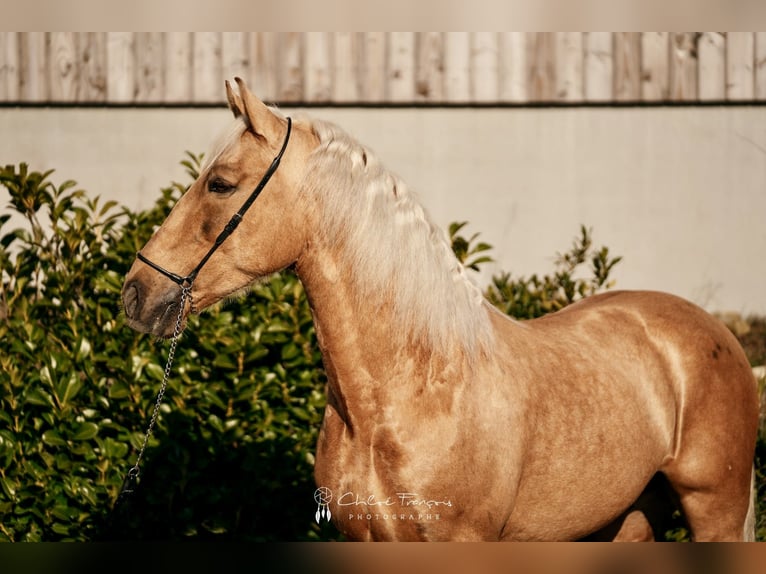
x,y
369,364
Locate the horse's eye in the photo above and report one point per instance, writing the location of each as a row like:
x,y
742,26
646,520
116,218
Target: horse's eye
x,y
218,185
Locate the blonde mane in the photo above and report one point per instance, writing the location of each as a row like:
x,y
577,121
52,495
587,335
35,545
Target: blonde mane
x,y
391,248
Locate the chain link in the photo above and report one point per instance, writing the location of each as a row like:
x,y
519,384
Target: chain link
x,y
135,470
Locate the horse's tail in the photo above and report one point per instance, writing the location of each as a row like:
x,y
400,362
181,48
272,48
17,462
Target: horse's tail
x,y
749,534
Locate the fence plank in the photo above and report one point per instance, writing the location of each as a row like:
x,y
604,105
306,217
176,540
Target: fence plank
x,y
513,67
569,66
120,67
484,67
683,66
290,66
541,74
655,66
760,65
373,67
711,47
178,67
9,66
429,71
457,67
91,53
317,77
33,62
63,69
265,83
627,66
401,68
235,57
207,70
740,54
150,67
598,80
346,55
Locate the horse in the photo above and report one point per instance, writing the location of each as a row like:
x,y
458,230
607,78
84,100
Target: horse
x,y
446,419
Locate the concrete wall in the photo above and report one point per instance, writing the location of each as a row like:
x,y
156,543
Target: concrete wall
x,y
680,193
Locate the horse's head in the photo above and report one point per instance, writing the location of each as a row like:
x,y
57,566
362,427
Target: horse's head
x,y
203,242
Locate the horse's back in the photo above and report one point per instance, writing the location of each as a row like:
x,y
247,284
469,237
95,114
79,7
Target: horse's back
x,y
698,356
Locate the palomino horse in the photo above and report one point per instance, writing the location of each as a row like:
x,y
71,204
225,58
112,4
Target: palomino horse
x,y
445,419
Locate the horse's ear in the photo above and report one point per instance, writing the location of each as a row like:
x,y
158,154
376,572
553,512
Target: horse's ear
x,y
235,102
259,118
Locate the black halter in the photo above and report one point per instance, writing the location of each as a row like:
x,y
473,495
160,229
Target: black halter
x,y
186,282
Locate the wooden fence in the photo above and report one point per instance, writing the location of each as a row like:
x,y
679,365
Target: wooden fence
x,y
188,68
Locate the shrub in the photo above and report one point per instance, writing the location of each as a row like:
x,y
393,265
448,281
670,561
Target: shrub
x,y
233,448
534,296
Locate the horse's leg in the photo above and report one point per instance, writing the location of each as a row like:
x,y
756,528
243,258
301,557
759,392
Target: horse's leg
x,y
713,478
635,528
719,510
713,466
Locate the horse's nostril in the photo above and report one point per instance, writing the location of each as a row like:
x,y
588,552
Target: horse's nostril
x,y
130,300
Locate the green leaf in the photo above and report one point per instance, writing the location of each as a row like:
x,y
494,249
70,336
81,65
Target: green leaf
x,y
52,438
61,529
119,390
87,431
40,398
8,487
68,389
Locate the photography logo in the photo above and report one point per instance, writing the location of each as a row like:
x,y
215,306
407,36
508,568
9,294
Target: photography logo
x,y
323,497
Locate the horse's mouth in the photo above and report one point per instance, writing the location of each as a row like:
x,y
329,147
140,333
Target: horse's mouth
x,y
163,319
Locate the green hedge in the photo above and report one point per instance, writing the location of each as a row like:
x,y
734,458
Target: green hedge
x,y
232,454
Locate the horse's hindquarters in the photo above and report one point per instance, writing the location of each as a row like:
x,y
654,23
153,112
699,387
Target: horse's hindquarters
x,y
627,385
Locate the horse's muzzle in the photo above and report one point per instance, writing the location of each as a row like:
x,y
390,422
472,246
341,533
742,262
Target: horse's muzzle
x,y
156,315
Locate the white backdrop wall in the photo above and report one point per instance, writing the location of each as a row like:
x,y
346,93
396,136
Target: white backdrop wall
x,y
680,193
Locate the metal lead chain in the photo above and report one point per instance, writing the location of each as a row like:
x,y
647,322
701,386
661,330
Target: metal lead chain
x,y
127,487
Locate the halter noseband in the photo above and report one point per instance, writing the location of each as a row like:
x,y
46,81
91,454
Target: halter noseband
x,y
186,282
